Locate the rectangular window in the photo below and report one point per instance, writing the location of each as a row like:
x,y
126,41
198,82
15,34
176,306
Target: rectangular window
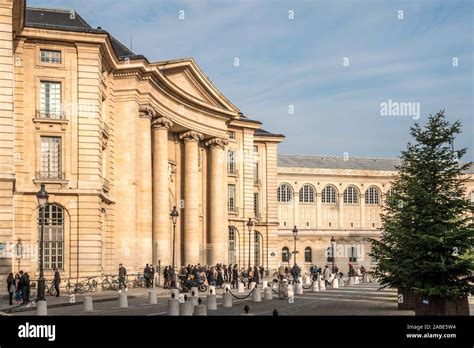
x,y
53,236
50,158
231,135
230,162
49,56
50,99
256,207
231,204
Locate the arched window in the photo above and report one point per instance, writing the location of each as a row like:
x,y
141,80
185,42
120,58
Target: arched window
x,y
308,255
284,193
257,240
351,195
372,196
233,242
53,236
285,254
307,194
329,195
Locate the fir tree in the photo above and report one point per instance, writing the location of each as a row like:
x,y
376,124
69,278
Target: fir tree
x,y
427,236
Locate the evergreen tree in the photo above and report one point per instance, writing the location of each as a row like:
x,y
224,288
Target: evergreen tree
x,y
427,236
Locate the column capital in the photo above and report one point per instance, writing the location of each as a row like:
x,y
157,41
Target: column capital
x,y
146,111
190,136
161,122
217,142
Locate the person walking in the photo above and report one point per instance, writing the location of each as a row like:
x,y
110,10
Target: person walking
x,y
57,281
10,288
122,274
326,274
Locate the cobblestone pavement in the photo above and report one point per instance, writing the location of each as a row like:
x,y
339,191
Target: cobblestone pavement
x,y
361,299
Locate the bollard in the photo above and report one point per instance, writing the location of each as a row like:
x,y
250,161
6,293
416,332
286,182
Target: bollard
x,y
123,302
265,284
322,285
307,280
211,302
88,306
41,308
299,289
212,289
335,283
227,300
194,300
291,290
315,286
256,296
200,310
268,293
356,280
173,307
252,285
186,308
341,282
152,296
351,280
241,287
175,292
195,290
227,286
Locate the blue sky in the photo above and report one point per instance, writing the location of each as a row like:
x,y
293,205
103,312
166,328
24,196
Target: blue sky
x,y
299,62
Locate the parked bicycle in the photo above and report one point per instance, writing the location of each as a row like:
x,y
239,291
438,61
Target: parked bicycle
x,y
110,283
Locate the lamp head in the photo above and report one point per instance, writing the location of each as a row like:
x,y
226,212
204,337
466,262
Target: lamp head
x,y
295,232
174,215
42,196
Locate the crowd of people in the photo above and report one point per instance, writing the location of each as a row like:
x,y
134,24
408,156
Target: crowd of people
x,y
19,285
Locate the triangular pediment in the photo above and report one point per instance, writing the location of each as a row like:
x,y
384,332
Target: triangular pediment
x,y
186,75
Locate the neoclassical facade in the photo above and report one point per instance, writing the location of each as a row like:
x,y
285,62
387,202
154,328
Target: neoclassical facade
x,y
339,198
119,141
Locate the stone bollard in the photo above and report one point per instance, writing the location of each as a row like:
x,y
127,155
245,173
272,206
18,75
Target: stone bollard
x,y
41,308
351,280
356,280
299,289
256,296
265,284
335,283
88,306
315,286
227,286
195,290
123,302
322,285
194,300
152,296
241,288
173,307
341,282
211,302
175,292
268,293
212,289
227,300
252,285
186,308
200,310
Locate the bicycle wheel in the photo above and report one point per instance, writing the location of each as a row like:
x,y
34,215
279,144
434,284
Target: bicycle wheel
x,y
52,290
70,288
105,284
202,287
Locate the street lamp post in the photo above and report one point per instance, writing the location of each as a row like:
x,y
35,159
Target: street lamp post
x,y
333,241
19,252
174,217
250,225
42,197
295,234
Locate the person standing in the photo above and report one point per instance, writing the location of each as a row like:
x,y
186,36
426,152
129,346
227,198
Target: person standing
x,y
10,287
235,276
18,295
57,281
25,287
326,274
122,274
152,276
147,274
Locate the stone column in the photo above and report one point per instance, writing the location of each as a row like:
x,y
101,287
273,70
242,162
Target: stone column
x,y
340,213
191,197
319,209
160,227
217,224
362,211
296,206
144,196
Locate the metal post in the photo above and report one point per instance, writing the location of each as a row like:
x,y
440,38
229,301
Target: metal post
x,y
174,238
332,257
250,241
294,251
41,280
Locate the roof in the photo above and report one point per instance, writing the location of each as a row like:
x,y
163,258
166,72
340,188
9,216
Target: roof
x,y
70,20
328,162
263,133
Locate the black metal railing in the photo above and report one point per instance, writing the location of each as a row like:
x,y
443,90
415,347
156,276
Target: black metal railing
x,y
50,175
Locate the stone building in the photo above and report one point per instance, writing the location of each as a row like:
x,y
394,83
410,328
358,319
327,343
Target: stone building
x,y
118,141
